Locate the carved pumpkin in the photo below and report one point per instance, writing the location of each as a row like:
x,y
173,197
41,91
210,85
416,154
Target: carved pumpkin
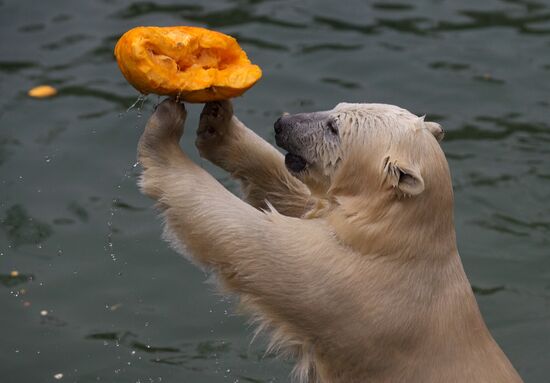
x,y
191,63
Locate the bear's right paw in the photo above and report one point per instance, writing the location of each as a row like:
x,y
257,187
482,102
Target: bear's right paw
x,y
167,120
214,123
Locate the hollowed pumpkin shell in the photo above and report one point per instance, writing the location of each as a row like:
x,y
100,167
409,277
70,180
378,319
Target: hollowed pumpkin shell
x,y
194,64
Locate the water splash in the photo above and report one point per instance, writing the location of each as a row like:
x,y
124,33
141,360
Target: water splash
x,y
110,247
138,104
115,203
127,174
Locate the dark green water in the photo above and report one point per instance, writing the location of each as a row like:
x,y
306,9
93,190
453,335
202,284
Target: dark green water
x,y
137,312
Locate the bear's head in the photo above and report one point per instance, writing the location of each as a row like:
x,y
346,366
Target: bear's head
x,y
355,148
379,169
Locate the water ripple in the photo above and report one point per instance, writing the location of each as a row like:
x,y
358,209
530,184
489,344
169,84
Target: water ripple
x,y
487,290
449,66
514,226
412,25
392,6
259,43
147,8
23,229
492,19
423,26
489,79
239,16
332,47
66,41
341,83
341,25
82,91
506,126
16,66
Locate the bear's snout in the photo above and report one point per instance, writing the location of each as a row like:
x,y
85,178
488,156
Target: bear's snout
x,y
278,126
282,127
288,126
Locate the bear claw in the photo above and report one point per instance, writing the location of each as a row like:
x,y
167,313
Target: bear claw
x,y
169,114
164,129
214,120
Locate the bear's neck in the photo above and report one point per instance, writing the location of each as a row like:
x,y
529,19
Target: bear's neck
x,y
406,228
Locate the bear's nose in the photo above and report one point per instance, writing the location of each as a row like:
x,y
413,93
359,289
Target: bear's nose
x,y
278,126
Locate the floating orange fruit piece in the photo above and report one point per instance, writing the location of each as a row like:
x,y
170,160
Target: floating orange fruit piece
x,y
194,64
42,91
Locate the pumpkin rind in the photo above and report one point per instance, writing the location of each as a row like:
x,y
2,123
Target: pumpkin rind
x,y
191,63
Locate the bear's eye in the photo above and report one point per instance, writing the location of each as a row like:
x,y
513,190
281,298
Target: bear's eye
x,y
333,127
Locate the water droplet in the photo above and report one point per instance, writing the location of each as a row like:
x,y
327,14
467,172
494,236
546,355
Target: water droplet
x,y
141,98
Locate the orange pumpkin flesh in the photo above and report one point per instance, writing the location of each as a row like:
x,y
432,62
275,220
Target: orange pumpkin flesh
x,y
191,63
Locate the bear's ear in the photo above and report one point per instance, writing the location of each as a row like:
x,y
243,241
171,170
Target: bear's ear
x,y
435,129
403,177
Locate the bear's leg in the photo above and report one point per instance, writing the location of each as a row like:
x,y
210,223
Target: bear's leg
x,y
277,262
199,211
158,148
228,143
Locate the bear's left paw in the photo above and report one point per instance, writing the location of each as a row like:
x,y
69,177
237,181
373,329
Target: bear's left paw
x,y
214,122
162,133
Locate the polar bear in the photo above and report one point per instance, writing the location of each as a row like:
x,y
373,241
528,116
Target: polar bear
x,y
345,248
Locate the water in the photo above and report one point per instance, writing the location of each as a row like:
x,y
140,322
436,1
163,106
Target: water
x,y
482,69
